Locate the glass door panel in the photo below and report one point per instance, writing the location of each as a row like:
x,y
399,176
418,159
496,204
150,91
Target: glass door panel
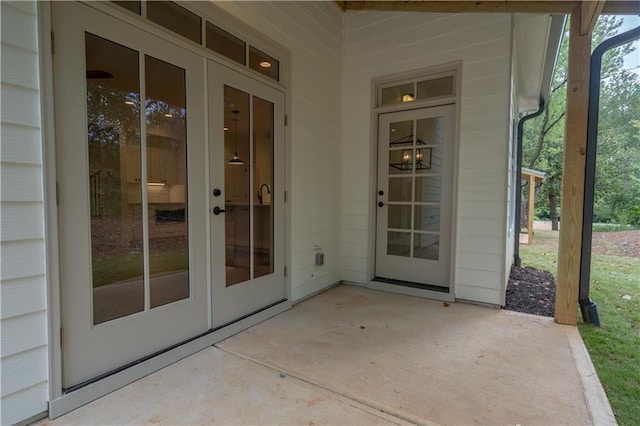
x,y
263,158
113,136
167,213
237,186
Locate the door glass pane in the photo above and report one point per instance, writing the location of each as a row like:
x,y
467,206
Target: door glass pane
x,y
264,64
399,243
401,134
263,128
400,189
429,131
167,182
397,95
426,246
427,218
113,117
433,88
225,44
175,18
428,189
237,186
399,217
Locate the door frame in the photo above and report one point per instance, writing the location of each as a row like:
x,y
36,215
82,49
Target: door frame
x,y
390,80
60,403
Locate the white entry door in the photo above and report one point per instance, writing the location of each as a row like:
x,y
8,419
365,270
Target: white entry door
x,y
415,185
130,134
246,131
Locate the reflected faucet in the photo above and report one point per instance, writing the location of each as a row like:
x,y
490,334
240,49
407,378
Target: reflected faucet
x,y
260,191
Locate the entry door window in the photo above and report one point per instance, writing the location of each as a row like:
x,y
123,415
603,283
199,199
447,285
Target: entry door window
x,y
137,143
249,157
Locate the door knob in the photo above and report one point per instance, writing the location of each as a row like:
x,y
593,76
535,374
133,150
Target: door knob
x,y
217,210
380,204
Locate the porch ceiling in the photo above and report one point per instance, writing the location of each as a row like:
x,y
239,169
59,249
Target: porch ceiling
x,y
356,356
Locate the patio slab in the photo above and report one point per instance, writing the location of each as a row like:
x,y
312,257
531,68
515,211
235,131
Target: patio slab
x,y
357,356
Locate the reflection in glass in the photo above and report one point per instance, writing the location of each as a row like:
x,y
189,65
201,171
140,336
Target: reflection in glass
x,y
399,243
264,64
263,146
225,44
399,217
430,130
428,189
237,187
175,18
400,189
442,86
167,182
427,218
426,246
401,134
113,117
397,94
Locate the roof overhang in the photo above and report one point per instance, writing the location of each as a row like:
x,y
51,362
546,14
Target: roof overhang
x,y
536,45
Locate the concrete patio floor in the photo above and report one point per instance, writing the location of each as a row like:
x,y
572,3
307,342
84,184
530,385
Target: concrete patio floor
x,y
357,356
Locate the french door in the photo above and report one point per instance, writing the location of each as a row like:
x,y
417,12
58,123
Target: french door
x,y
415,183
132,201
246,163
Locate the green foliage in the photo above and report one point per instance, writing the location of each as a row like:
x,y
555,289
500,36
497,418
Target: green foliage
x,y
617,187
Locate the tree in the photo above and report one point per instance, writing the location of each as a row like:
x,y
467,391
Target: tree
x,y
618,158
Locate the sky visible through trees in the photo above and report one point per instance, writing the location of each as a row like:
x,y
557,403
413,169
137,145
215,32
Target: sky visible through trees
x,y
617,192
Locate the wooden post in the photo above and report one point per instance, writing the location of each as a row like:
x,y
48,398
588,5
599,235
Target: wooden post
x,y
573,171
532,198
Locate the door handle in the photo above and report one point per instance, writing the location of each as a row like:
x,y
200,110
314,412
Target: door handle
x,y
380,204
217,210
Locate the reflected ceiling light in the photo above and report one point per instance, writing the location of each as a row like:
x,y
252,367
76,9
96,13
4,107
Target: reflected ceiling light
x,y
408,98
265,64
235,161
156,184
226,128
128,102
168,115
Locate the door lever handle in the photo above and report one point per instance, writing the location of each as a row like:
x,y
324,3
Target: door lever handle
x,y
217,210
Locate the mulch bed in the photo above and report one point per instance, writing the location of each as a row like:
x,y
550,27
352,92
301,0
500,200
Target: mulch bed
x,y
531,291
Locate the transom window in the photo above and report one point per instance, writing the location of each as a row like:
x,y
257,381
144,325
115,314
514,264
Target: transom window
x,y
437,86
187,24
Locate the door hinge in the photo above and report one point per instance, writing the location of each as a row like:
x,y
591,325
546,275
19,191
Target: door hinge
x,y
57,193
285,196
53,45
286,120
285,270
61,338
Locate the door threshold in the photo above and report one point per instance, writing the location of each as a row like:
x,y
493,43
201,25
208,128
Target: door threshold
x,y
412,284
412,289
100,386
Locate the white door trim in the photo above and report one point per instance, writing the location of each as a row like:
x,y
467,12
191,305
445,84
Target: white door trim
x,y
419,74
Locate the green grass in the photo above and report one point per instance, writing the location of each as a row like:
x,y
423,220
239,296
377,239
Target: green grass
x,y
608,227
112,269
614,348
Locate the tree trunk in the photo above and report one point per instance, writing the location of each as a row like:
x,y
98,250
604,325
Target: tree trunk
x,y
553,211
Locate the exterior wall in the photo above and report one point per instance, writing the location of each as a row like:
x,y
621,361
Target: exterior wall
x,y
313,32
382,43
24,316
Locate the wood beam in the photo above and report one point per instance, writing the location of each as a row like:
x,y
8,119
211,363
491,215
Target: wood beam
x,y
611,7
573,171
589,12
530,212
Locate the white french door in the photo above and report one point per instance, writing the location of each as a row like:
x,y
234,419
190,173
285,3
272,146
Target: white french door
x,y
246,163
415,186
130,138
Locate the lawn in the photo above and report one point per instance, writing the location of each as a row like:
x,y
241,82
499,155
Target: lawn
x,y
615,347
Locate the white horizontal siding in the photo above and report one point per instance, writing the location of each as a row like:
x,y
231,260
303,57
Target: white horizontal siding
x,y
24,317
382,43
313,32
